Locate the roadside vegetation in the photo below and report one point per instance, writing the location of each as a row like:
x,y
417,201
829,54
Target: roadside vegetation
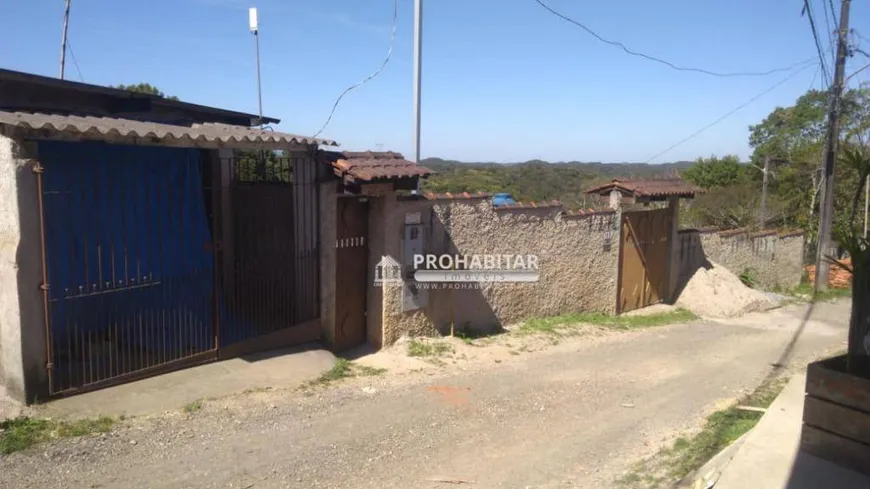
x,y
417,348
343,369
804,291
23,432
563,325
689,453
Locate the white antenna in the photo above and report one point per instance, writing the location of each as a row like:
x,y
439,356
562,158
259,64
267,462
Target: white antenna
x,y
252,19
255,30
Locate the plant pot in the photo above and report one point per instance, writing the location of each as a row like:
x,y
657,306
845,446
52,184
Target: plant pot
x,y
837,415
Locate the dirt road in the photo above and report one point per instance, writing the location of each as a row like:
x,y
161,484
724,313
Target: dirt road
x,y
574,415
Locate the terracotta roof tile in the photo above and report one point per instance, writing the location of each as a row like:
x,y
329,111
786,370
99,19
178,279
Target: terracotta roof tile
x,y
654,188
367,166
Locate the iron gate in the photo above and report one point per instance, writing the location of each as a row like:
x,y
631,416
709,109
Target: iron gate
x,y
135,281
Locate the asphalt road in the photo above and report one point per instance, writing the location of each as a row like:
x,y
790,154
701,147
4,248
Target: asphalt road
x,y
574,415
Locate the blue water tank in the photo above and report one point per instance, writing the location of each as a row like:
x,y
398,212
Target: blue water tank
x,y
502,199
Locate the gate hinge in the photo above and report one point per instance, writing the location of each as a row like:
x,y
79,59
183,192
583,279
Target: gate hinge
x,y
44,287
38,169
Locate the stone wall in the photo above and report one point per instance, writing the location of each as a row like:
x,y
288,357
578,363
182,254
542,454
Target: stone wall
x,y
577,257
775,258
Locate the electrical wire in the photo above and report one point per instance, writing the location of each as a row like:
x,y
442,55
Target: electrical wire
x,y
830,32
75,61
809,12
662,61
376,72
815,75
729,113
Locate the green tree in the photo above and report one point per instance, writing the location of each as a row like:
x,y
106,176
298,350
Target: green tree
x,y
145,88
715,172
794,138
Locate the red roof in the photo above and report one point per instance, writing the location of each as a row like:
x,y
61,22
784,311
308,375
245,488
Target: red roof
x,y
652,188
367,166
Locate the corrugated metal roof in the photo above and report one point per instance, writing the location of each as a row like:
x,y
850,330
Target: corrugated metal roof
x,y
367,166
208,134
657,187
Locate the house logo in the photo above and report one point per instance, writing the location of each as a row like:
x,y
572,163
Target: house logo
x,y
388,271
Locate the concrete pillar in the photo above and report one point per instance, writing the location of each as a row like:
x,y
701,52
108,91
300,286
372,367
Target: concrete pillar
x,y
674,256
615,199
328,206
23,357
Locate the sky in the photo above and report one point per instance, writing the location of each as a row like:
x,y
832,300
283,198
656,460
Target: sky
x,y
503,80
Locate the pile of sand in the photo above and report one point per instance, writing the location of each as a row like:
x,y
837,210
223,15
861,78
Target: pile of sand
x,y
717,293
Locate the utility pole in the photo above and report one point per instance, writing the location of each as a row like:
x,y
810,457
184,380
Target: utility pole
x,y
826,215
63,39
418,60
763,214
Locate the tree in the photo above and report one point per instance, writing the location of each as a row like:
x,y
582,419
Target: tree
x,y
794,138
145,88
715,172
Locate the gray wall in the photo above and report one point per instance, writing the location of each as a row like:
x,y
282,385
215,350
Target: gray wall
x,y
775,258
22,325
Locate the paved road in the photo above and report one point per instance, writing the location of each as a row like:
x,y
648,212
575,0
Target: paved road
x,y
559,418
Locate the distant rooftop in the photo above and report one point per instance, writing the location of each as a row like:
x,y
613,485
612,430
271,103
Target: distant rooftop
x,y
650,189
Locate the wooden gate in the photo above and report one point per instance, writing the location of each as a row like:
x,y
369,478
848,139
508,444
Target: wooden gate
x,y
644,258
351,275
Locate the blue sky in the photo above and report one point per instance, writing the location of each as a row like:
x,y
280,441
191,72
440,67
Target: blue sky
x,y
503,80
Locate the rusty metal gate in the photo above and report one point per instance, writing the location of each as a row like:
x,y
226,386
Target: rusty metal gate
x,y
159,258
644,258
351,272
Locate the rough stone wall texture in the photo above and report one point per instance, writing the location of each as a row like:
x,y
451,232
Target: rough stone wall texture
x,y
327,259
577,257
776,260
22,327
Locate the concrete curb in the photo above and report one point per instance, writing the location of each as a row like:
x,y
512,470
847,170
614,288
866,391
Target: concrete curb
x,y
709,473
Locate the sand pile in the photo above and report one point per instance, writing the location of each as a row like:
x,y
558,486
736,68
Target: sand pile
x,y
717,293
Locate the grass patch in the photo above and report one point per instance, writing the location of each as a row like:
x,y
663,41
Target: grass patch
x,y
804,291
24,432
688,454
343,369
417,348
558,325
193,406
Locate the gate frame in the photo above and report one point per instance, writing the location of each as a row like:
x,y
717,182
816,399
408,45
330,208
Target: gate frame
x,y
306,331
669,275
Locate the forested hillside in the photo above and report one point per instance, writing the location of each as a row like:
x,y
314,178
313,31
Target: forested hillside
x,y
536,180
793,138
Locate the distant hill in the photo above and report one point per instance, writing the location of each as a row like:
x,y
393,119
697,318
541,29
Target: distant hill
x,y
537,180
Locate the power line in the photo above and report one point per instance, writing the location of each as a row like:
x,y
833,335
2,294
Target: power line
x,y
809,12
72,55
376,73
729,113
659,60
829,30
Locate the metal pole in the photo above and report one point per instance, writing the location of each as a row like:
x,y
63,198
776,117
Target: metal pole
x,y
63,39
826,215
763,214
259,86
418,61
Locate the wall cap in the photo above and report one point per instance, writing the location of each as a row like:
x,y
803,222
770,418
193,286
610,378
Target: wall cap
x,y
461,196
